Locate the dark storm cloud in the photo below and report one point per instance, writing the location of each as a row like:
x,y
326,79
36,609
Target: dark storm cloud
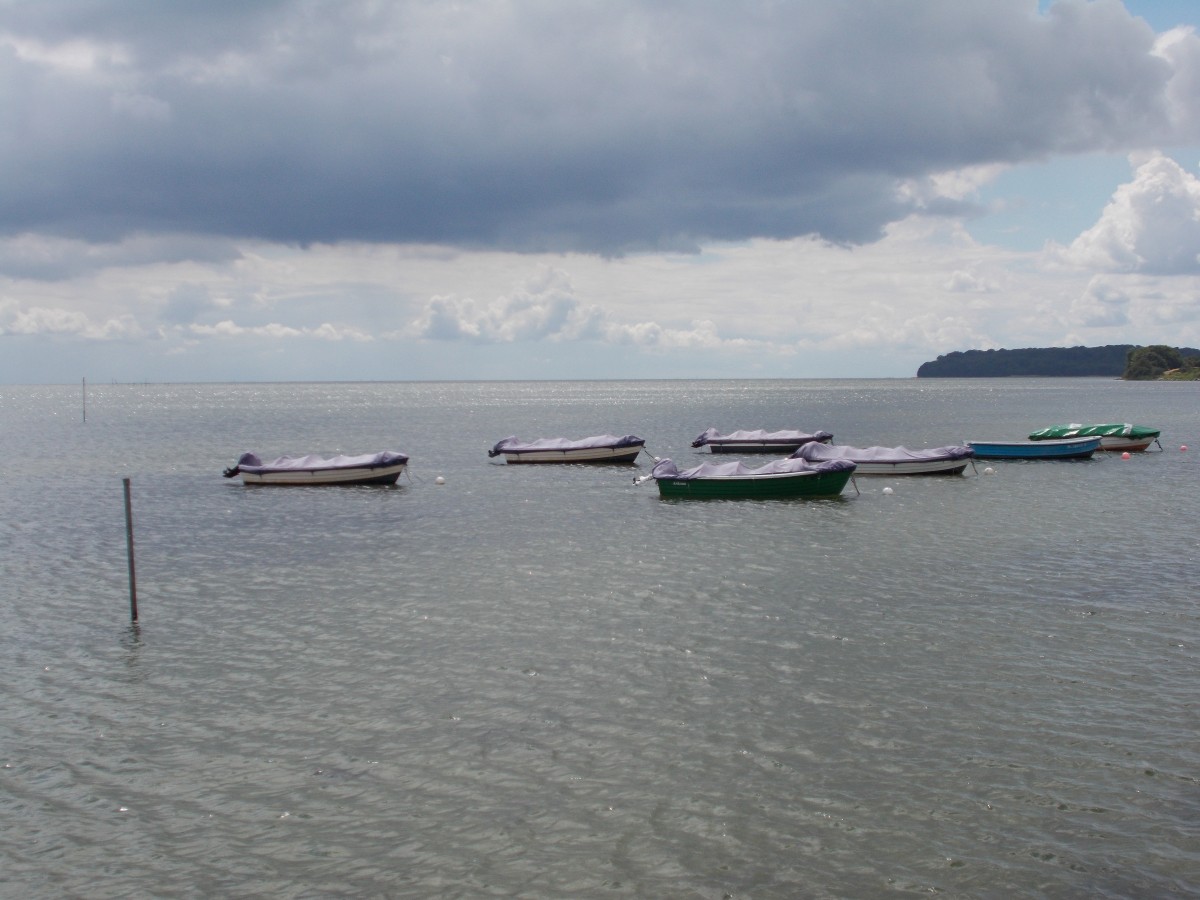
x,y
50,260
605,126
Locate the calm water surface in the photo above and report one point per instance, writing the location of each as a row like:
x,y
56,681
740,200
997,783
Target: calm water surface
x,y
548,682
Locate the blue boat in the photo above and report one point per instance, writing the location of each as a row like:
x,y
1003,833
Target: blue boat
x,y
1067,448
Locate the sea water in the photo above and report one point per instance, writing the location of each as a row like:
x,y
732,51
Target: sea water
x,y
545,681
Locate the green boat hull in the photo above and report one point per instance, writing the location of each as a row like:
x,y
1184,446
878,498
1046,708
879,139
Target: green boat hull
x,y
819,484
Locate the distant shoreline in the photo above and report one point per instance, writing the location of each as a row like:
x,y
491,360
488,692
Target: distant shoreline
x,y
1049,362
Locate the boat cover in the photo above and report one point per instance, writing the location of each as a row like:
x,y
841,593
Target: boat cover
x,y
249,462
666,469
1111,430
816,452
514,444
761,437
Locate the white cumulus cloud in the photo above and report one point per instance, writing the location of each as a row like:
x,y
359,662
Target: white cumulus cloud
x,y
1102,305
325,332
544,308
1151,225
39,320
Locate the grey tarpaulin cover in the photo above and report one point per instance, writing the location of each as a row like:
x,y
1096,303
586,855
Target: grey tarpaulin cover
x,y
249,462
514,444
666,469
819,452
761,437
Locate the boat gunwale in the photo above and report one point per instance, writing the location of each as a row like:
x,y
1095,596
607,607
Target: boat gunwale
x,y
1053,442
756,447
766,477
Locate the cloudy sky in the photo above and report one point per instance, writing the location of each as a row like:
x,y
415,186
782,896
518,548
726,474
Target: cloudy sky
x,y
355,189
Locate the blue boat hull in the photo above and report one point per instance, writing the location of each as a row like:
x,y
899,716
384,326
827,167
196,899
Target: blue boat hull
x,y
1075,448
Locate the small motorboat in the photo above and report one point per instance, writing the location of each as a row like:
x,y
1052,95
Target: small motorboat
x,y
371,468
601,448
1114,437
893,460
736,481
758,441
1066,448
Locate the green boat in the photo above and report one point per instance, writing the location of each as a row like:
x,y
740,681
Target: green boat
x,y
736,481
1115,437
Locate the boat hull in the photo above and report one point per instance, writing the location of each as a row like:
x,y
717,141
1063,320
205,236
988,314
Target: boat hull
x,y
1126,445
310,478
588,455
1119,437
744,487
1076,448
755,446
759,440
931,467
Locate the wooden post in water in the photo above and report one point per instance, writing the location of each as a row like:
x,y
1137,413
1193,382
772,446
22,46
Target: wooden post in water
x,y
129,543
85,401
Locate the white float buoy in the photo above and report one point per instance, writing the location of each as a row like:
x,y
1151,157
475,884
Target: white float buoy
x,y
887,490
989,471
439,480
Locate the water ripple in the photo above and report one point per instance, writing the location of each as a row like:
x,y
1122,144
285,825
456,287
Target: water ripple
x,y
546,682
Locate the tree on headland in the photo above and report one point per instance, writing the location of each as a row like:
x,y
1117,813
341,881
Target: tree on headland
x,y
1150,363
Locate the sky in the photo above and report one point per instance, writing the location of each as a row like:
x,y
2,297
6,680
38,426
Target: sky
x,y
346,190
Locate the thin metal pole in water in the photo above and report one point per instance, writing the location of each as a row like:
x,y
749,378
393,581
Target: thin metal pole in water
x,y
129,543
85,400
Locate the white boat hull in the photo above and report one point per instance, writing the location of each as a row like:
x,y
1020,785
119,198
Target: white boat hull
x,y
1117,443
585,455
916,467
719,446
358,475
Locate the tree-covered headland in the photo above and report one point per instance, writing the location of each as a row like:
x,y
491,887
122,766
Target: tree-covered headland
x,y
1113,361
